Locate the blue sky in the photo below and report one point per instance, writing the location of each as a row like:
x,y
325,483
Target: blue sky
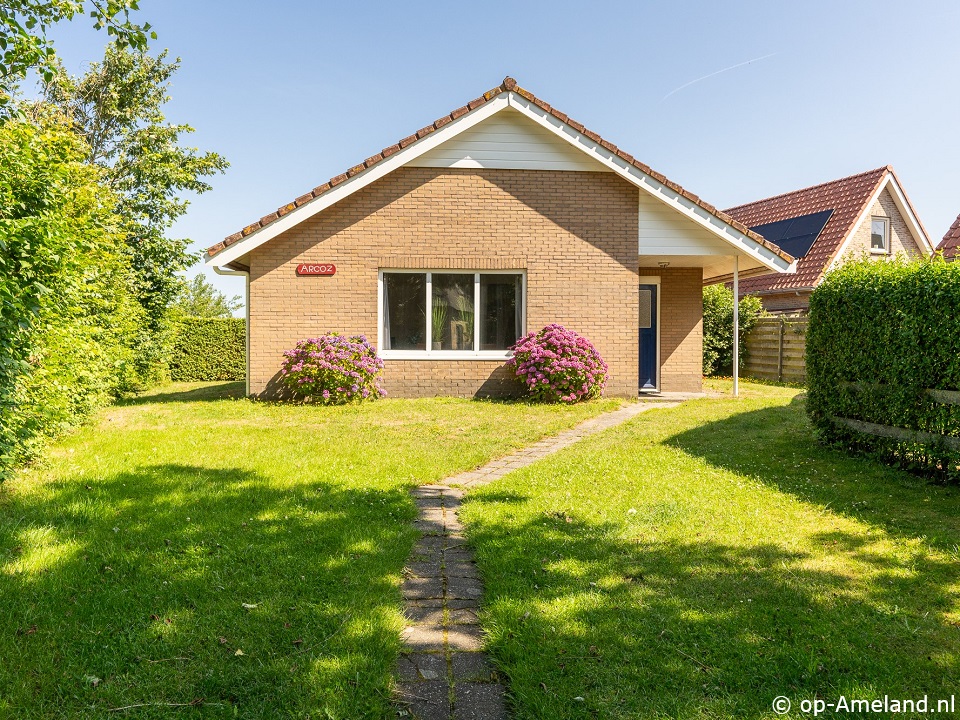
x,y
293,92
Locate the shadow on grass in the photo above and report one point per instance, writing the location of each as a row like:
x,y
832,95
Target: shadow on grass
x,y
207,393
777,446
130,589
639,628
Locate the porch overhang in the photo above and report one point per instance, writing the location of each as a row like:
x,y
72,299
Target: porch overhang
x,y
716,268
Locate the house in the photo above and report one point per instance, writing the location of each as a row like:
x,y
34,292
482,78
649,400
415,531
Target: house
x,y
951,241
825,224
499,218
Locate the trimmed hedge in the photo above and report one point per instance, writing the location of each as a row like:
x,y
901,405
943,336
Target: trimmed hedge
x,y
71,336
718,328
206,349
883,362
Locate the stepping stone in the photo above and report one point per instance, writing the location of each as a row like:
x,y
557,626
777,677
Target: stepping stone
x,y
417,588
425,615
458,604
464,616
479,701
459,569
424,569
418,667
461,588
426,700
472,667
465,638
420,638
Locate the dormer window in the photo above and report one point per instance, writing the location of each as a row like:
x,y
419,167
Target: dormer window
x,y
880,235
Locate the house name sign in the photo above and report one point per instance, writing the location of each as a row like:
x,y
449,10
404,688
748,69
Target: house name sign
x,y
316,269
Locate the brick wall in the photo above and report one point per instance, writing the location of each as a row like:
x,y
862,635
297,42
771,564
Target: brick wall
x,y
786,302
574,233
900,238
681,328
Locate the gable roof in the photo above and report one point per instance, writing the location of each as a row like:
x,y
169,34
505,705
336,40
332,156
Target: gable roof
x,y
950,245
509,93
849,198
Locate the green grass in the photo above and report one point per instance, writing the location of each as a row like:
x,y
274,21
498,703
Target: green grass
x,y
127,558
699,561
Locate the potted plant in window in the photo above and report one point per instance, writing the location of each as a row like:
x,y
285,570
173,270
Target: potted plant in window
x,y
439,321
464,326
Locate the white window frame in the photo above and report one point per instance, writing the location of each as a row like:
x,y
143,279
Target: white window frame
x,y
429,353
885,250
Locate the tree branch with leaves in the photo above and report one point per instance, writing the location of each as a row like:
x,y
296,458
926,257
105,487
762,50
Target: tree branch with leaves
x,y
117,106
25,45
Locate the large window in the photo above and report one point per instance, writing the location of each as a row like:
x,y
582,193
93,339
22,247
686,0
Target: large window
x,y
449,314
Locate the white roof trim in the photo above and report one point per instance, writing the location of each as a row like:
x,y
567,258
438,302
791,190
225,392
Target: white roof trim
x,y
357,182
913,222
900,200
740,243
743,244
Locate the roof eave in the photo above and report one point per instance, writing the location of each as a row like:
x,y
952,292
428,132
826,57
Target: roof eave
x,y
509,94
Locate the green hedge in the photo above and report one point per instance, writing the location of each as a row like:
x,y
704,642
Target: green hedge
x,y
209,349
718,328
883,362
71,334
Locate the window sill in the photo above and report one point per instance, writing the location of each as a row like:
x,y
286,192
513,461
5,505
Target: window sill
x,y
446,354
879,252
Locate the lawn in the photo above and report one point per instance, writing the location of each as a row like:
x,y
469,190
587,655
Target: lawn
x,y
700,561
192,554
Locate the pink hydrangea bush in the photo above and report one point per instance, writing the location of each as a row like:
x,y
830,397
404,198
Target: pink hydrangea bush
x,y
558,365
333,369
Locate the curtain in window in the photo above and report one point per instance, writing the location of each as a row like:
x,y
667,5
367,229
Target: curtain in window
x,y
404,311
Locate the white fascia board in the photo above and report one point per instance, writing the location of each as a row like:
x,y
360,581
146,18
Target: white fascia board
x,y
740,242
913,222
358,181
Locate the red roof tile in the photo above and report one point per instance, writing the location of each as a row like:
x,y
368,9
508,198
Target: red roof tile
x,y
950,245
847,197
508,85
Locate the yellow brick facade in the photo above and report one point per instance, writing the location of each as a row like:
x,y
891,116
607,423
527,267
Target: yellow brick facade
x,y
574,234
901,240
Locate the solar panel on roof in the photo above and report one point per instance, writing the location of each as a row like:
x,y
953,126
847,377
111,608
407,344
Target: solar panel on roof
x,y
795,235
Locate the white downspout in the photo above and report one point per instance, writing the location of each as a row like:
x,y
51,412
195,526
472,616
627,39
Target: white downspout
x,y
736,326
245,274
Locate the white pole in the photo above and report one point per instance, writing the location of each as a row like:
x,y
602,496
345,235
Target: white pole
x,y
736,326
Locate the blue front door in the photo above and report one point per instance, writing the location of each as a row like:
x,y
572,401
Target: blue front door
x,y
648,337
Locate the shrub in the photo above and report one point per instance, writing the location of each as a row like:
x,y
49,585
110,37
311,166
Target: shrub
x,y
206,349
558,365
333,369
718,328
68,317
883,362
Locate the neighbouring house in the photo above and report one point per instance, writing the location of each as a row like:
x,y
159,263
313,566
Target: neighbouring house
x,y
502,217
821,226
951,241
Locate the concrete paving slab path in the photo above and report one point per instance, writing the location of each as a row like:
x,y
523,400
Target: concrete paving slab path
x,y
443,674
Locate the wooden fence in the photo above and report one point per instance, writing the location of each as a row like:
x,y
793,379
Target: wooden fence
x,y
775,349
